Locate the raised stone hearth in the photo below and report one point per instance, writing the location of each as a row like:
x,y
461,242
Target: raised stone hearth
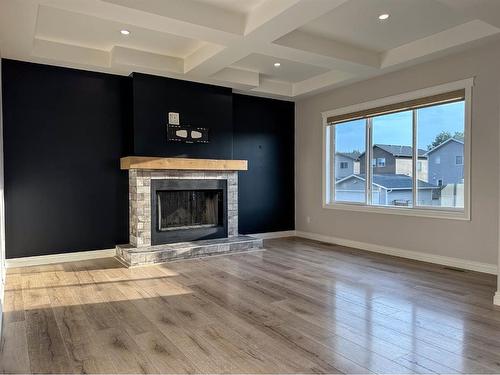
x,y
151,242
135,256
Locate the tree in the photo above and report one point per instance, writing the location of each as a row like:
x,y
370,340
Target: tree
x,y
356,153
443,137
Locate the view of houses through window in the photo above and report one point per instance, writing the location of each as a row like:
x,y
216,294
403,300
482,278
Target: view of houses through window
x,y
438,133
350,140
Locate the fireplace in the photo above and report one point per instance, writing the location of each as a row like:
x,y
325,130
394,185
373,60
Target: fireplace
x,y
181,209
188,210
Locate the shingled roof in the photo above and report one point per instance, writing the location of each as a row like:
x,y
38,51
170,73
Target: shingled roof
x,y
351,155
393,181
460,141
398,150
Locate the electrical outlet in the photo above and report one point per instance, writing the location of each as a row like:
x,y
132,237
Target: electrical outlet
x,y
173,118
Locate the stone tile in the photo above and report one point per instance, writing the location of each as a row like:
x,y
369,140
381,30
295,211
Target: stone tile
x,y
134,256
140,200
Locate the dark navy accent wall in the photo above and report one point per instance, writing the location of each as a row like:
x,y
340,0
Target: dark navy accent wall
x,y
63,138
264,135
66,129
199,105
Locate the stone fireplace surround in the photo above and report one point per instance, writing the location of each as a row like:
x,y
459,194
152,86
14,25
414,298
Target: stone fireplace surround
x,y
139,251
140,199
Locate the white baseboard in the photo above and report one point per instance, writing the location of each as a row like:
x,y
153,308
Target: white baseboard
x,y
269,235
59,258
410,254
496,298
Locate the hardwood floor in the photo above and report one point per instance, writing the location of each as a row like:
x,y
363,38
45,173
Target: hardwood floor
x,y
301,306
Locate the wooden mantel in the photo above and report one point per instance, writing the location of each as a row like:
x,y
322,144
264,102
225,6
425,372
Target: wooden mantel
x,y
147,162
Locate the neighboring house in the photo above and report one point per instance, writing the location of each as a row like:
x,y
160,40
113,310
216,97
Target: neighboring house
x,y
387,189
396,159
446,163
346,164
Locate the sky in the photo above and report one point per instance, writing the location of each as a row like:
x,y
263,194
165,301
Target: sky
x,y
396,128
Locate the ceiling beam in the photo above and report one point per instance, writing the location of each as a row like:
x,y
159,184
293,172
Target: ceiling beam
x,y
282,17
269,86
440,43
245,79
137,13
338,55
134,58
190,12
320,81
51,50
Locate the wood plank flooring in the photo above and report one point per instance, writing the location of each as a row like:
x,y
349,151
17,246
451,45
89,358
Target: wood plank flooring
x,y
299,307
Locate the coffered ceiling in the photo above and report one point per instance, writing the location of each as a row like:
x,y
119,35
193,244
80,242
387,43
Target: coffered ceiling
x,y
318,44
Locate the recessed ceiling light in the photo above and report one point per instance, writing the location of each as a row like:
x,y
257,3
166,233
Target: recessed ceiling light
x,y
383,16
277,65
124,32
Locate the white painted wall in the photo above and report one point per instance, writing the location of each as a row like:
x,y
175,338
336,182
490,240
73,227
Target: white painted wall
x,y
2,208
476,240
496,299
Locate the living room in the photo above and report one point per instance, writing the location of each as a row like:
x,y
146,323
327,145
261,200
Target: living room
x,y
250,186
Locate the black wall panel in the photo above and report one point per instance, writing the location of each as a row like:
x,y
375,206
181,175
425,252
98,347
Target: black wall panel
x,y
264,134
63,138
199,105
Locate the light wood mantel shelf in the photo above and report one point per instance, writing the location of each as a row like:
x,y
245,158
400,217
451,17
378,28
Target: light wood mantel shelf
x,y
147,162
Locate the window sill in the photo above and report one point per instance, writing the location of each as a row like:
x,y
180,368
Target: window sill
x,y
435,213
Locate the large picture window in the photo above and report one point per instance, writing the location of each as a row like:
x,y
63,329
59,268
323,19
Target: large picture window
x,y
407,154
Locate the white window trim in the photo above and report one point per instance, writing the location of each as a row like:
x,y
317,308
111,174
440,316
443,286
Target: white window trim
x,y
431,212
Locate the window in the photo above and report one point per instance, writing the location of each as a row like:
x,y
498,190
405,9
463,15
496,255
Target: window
x,y
344,165
349,138
391,134
440,132
412,153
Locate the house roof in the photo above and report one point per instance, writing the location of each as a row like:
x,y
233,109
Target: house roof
x,y
398,150
351,155
444,143
392,181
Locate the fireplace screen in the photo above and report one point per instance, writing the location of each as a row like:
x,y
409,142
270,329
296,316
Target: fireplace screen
x,y
189,209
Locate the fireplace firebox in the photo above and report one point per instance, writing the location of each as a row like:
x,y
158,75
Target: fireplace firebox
x,y
188,210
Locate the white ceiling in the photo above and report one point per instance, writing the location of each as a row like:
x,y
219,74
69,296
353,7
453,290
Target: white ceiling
x,y
356,22
237,6
319,43
62,26
288,71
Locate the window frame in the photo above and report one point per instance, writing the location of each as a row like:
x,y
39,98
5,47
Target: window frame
x,y
328,166
344,163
